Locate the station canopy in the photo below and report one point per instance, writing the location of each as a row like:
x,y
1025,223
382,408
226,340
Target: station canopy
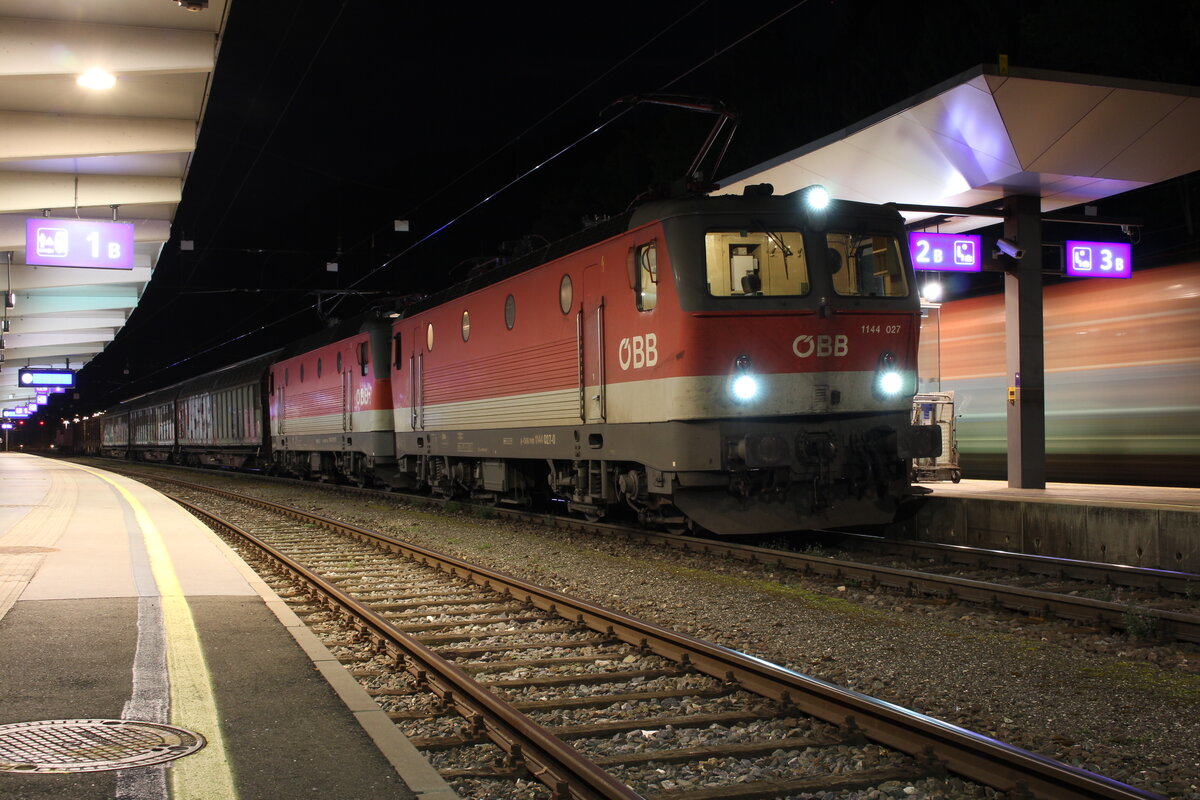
x,y
72,152
1069,139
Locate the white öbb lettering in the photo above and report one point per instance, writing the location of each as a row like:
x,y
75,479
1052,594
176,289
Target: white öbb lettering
x,y
823,345
638,351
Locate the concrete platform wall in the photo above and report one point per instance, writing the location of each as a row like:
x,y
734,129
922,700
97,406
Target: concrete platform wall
x,y
1145,537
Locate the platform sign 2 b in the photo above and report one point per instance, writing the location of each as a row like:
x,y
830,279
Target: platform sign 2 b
x,y
1099,259
945,252
78,243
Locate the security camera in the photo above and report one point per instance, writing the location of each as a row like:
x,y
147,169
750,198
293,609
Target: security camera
x,y
1010,249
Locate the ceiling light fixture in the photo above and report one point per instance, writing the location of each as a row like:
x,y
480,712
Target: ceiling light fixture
x,y
96,78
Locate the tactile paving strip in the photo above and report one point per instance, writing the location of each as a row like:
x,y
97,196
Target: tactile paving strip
x,y
91,745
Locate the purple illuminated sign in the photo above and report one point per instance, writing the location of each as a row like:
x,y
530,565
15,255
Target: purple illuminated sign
x,y
1099,259
78,243
945,252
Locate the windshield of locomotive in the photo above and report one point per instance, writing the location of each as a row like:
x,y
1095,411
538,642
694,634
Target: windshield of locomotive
x,y
865,265
756,263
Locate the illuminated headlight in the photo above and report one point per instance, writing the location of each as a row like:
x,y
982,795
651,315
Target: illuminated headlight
x,y
891,383
745,387
817,197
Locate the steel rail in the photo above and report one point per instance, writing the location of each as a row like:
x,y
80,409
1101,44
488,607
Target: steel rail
x,y
1160,580
971,755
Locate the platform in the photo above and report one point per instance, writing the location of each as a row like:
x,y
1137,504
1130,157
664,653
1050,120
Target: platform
x,y
1145,526
115,604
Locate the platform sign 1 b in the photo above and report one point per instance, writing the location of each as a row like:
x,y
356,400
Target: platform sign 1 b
x,y
945,252
1099,259
78,243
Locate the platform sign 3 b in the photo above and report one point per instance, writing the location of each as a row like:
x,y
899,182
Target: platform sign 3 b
x,y
78,243
1099,259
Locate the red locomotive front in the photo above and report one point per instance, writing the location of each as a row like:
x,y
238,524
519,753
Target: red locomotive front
x,y
745,364
330,405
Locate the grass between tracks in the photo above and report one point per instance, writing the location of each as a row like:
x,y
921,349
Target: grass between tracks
x,y
808,597
1148,678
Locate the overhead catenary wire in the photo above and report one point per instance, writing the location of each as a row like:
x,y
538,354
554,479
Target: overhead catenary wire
x,y
478,204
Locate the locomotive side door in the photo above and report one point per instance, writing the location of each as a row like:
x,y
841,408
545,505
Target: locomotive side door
x,y
591,333
347,415
416,363
281,419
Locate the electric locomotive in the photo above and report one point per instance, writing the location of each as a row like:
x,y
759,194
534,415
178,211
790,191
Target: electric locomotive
x,y
744,364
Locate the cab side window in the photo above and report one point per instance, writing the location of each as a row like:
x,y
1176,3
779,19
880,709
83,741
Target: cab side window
x,y
646,276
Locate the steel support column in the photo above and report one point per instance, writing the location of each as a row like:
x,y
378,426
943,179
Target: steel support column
x,y
1024,358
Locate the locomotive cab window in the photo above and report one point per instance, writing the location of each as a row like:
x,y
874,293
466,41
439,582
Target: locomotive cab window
x,y
866,265
752,263
646,280
397,354
364,357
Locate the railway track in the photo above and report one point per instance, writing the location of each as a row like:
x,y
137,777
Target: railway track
x,y
1148,603
1065,588
493,677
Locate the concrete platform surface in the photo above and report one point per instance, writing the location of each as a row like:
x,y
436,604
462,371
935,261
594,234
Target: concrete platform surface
x,y
117,604
1095,494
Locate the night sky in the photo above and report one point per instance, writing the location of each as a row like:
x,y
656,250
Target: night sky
x,y
329,120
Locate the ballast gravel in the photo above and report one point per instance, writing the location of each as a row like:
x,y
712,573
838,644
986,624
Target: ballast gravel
x,y
1101,701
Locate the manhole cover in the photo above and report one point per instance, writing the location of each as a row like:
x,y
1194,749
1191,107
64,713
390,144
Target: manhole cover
x,y
91,745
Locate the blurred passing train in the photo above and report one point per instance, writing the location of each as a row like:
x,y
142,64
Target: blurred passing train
x,y
742,364
1122,378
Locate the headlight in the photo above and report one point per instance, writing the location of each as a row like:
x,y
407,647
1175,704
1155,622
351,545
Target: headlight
x,y
890,379
816,197
891,383
745,387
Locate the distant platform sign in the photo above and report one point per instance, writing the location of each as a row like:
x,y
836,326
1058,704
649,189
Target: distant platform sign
x,y
78,243
945,252
27,376
1099,259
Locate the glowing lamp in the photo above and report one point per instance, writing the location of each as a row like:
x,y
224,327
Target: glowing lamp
x,y
96,78
745,387
817,197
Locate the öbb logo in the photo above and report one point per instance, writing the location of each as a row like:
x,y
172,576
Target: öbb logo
x,y
638,351
823,345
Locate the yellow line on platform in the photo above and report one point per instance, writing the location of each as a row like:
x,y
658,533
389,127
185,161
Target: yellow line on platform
x,y
206,775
